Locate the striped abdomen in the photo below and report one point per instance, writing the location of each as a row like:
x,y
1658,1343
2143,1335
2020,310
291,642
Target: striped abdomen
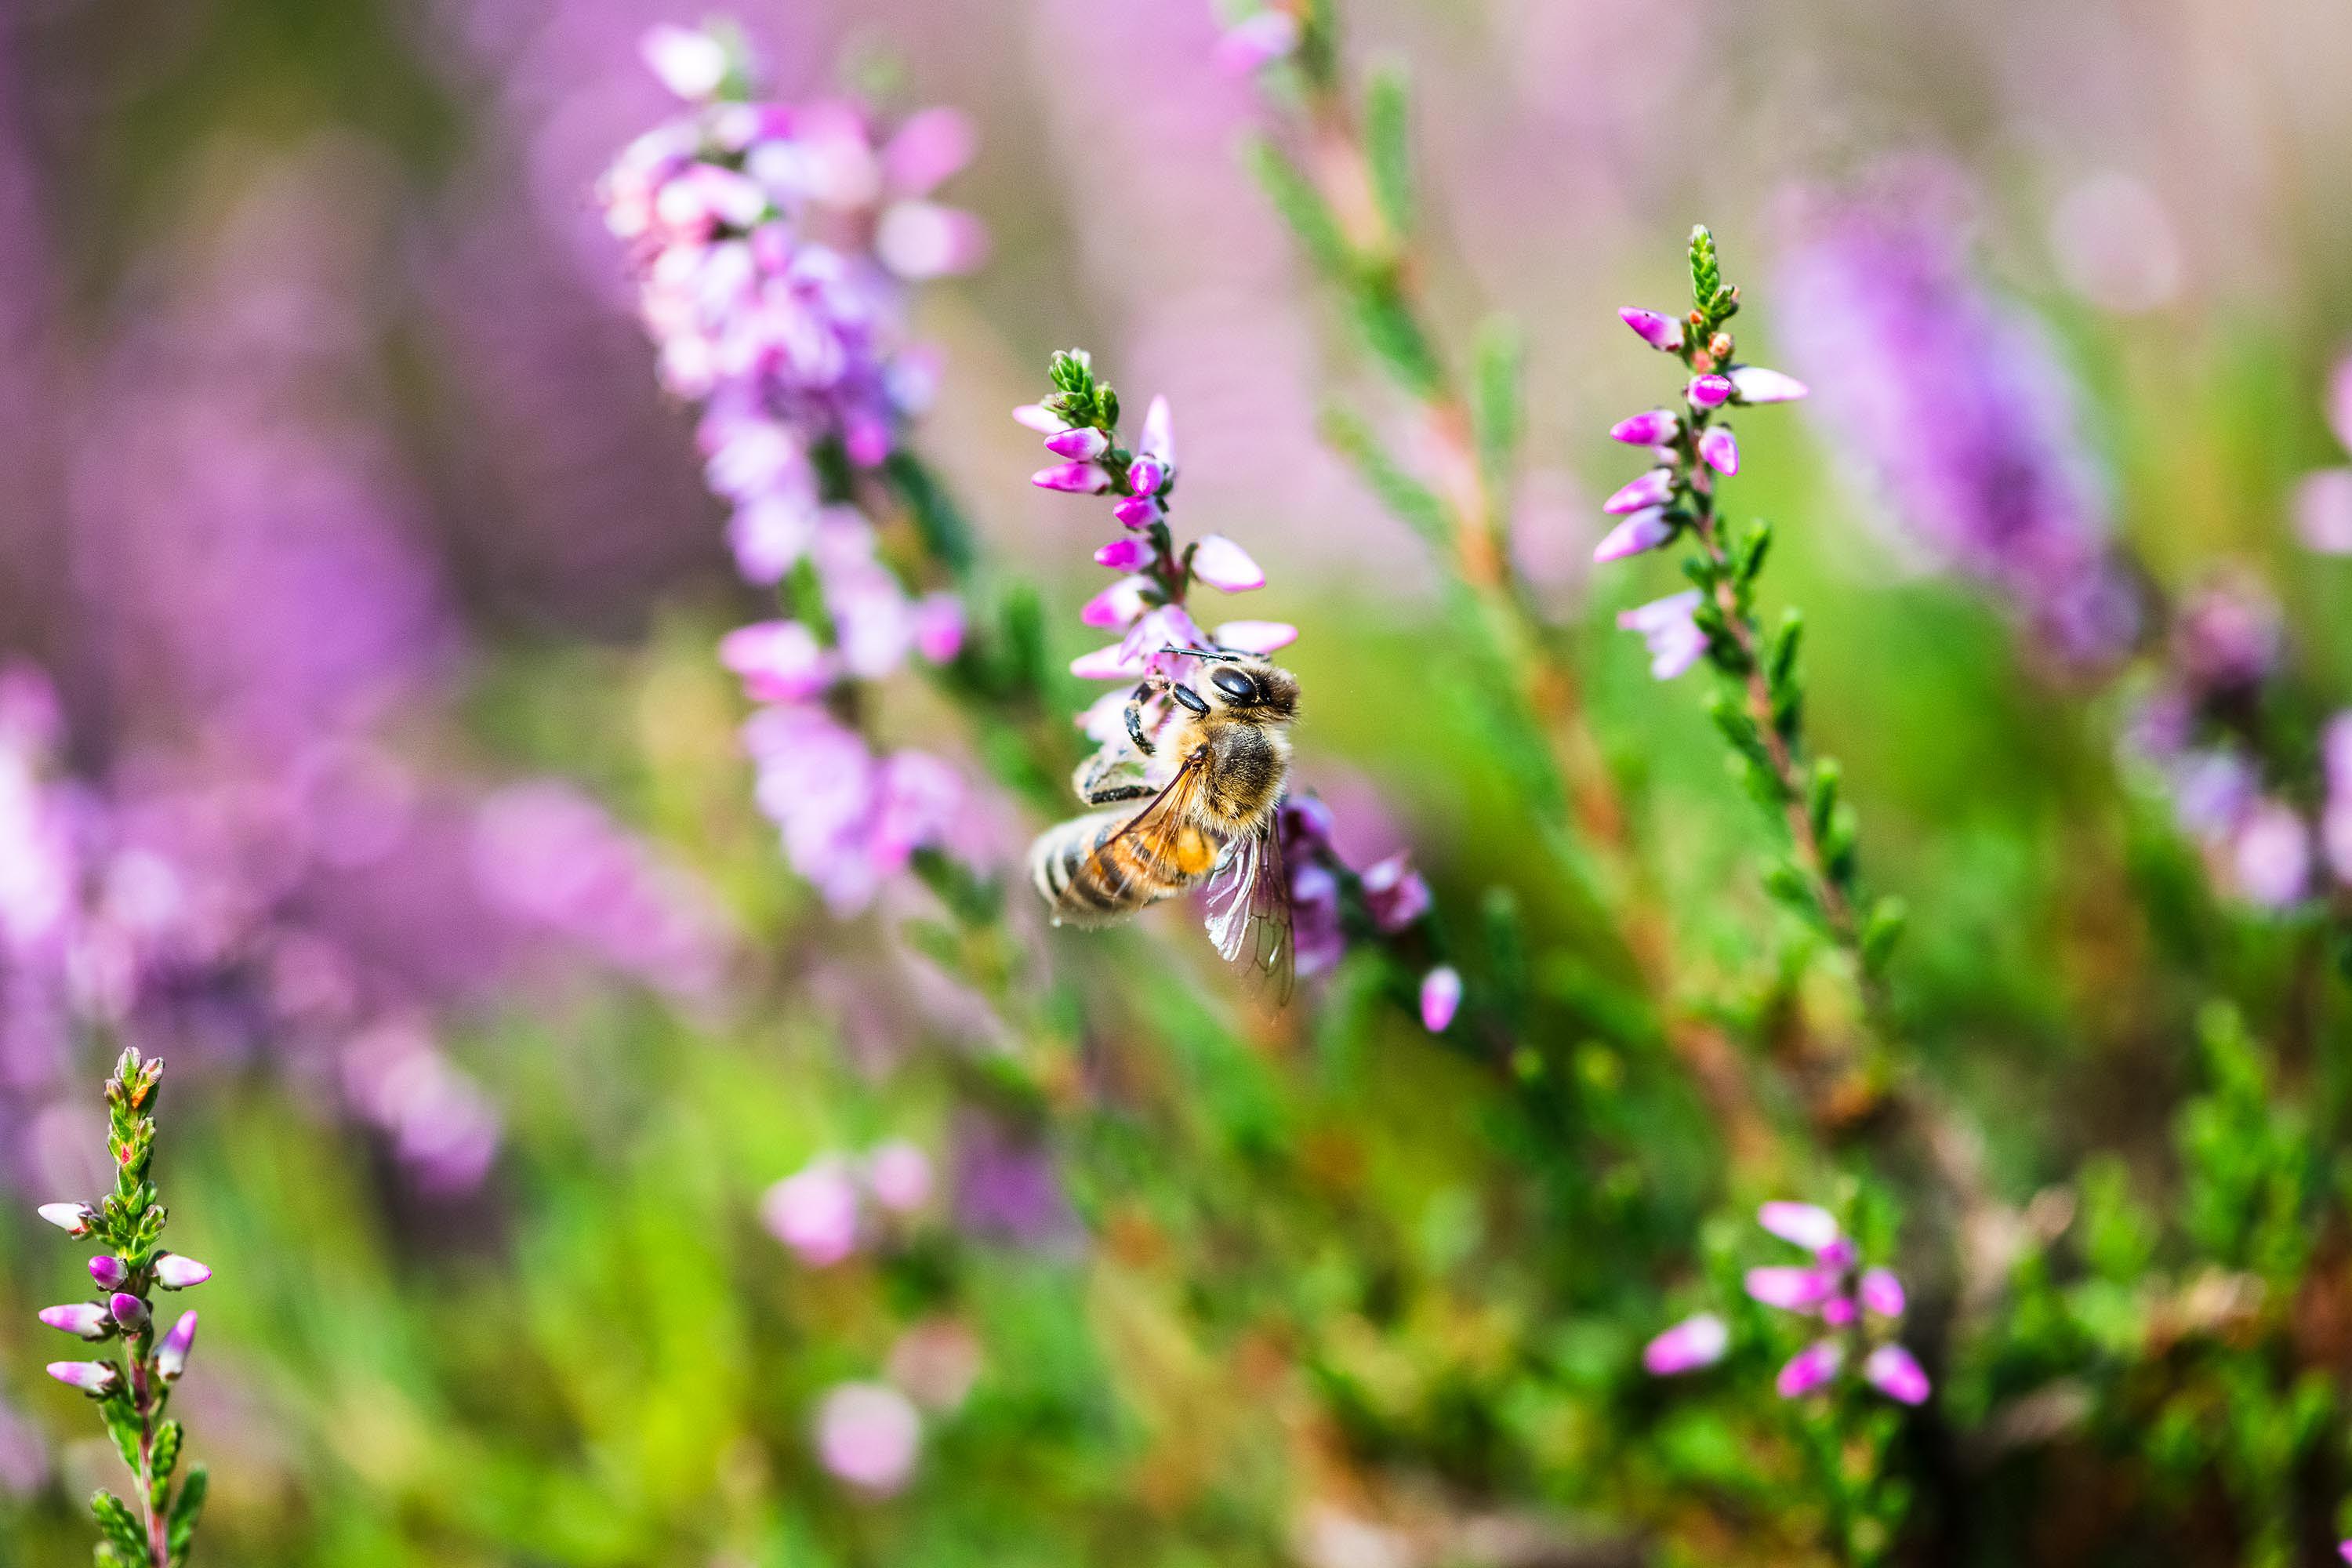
x,y
1091,880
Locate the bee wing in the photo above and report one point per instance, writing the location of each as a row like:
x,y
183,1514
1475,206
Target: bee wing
x,y
1249,913
1150,834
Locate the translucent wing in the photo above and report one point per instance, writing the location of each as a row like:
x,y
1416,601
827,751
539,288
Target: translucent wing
x,y
1249,913
1150,849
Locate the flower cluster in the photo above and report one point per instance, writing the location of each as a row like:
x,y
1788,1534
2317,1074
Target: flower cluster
x,y
822,1211
1689,446
2209,728
1854,1303
132,1393
1331,904
1150,605
2323,502
1957,410
870,1434
774,244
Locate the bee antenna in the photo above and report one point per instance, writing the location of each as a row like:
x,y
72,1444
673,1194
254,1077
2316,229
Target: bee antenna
x,y
1205,654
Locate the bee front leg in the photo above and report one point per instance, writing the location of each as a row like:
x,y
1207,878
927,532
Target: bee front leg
x,y
1143,694
1096,788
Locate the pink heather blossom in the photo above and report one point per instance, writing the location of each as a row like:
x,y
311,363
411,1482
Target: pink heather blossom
x,y
1896,1373
175,1272
1395,893
1258,41
1754,383
688,61
1675,641
868,1435
1645,530
1440,995
1080,445
1882,1292
1720,449
1159,438
1806,1224
1708,391
1692,1343
936,1363
1040,419
1225,565
1662,333
1792,1289
814,1211
2270,856
1116,605
938,624
898,1175
1077,479
1655,428
2323,511
1810,1369
85,1320
920,241
932,146
1651,489
93,1377
72,1218
1138,511
1112,663
769,533
172,1355
1127,555
1255,636
109,1272
1146,477
779,662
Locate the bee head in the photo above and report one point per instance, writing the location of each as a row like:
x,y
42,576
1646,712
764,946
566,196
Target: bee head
x,y
1246,686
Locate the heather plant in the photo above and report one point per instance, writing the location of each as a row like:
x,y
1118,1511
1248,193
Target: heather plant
x,y
133,1391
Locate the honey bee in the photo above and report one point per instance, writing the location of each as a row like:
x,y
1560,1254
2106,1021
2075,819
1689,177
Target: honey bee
x,y
1213,822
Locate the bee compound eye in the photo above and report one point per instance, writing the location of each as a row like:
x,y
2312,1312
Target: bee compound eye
x,y
1236,686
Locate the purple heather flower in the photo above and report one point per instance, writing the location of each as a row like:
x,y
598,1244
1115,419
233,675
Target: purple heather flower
x,y
1395,893
1255,636
174,1272
1882,1292
109,1271
1040,419
1651,489
1258,41
2323,511
1159,438
1441,996
1078,479
868,1435
72,1218
1138,511
779,662
1127,554
1810,1369
92,1377
1709,391
1896,1373
898,1175
920,241
129,1313
1662,333
1645,530
688,61
1754,383
1083,445
1675,641
1655,428
1720,449
172,1355
1225,565
1144,475
1808,1225
1792,1289
1691,1344
1116,605
86,1319
1957,409
2271,854
814,1211
2228,638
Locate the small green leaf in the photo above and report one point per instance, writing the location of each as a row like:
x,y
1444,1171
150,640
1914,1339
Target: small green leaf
x,y
187,1506
1498,356
119,1524
122,1425
1302,207
1394,335
167,1450
1388,145
1882,931
938,522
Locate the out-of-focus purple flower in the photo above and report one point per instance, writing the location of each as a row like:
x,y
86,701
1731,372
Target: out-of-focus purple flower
x,y
1720,449
86,1319
779,662
1639,495
1655,428
1395,893
94,1378
1645,530
1882,1292
1808,1225
1675,641
172,1355
2228,638
2323,511
1225,565
1125,554
850,820
2271,854
1896,1373
174,1271
23,1457
1692,1343
1754,383
1258,41
869,1435
1810,1369
1792,1289
1440,997
814,1211
688,61
1007,1188
899,1176
1662,333
1956,408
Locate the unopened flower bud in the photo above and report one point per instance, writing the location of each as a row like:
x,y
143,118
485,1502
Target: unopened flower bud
x,y
1652,429
86,1319
174,1272
1078,478
1662,333
1081,444
72,1218
108,1270
1441,996
1651,489
1225,567
1720,450
1719,346
129,1313
1146,475
96,1378
1710,391
1137,511
1757,385
1125,554
172,1356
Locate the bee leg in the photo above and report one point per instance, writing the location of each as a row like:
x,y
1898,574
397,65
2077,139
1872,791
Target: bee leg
x,y
1094,792
1135,718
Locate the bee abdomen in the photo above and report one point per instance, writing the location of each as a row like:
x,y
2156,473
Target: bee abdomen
x,y
1088,885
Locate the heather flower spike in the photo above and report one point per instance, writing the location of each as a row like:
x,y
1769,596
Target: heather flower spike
x,y
1835,1288
157,1527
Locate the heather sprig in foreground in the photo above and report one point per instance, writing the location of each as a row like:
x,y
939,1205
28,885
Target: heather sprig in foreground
x,y
133,1391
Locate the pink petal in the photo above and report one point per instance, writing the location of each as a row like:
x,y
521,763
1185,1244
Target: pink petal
x,y
1255,636
1649,490
688,61
1138,511
1078,478
1792,1289
1112,663
1648,429
1040,419
1663,332
1257,42
1441,995
1116,605
1720,450
1645,530
1810,1369
1158,439
1692,1343
919,240
1882,1292
1080,445
2323,511
1225,565
939,626
1756,384
1896,1373
1709,391
1807,1224
929,147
